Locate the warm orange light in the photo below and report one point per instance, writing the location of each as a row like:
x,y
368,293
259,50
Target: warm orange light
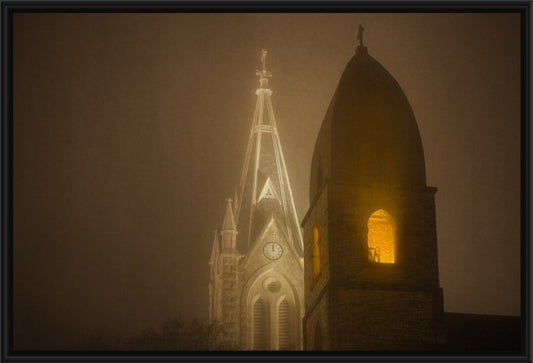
x,y
316,253
381,237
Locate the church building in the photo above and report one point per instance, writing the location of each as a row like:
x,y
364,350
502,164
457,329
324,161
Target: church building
x,y
371,263
365,275
256,264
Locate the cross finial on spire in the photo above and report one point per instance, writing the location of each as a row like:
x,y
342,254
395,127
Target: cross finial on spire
x,y
360,35
263,73
263,59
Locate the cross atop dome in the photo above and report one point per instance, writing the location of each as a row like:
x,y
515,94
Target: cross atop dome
x,y
263,74
360,35
361,47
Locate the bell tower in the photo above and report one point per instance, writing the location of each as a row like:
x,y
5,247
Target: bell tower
x,y
371,264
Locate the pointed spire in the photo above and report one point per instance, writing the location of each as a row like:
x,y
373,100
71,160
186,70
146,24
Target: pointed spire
x,y
263,74
215,249
264,161
229,221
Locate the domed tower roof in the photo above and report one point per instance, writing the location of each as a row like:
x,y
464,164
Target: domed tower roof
x,y
369,136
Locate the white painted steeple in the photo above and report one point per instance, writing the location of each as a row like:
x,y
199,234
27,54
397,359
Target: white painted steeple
x,y
264,172
256,296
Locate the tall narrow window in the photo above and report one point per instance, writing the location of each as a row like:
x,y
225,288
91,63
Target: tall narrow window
x,y
381,237
260,324
284,325
316,253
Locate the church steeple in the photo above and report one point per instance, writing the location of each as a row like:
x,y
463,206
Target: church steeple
x,y
256,297
371,224
265,169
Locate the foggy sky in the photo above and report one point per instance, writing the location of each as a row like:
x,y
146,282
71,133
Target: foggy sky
x,y
130,130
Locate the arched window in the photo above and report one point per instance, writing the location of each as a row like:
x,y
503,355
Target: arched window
x,y
316,254
260,325
318,338
381,237
284,325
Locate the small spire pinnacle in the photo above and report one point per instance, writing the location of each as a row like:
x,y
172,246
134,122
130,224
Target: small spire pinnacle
x,y
263,74
229,221
215,249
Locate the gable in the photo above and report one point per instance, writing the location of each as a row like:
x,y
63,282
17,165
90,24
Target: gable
x,y
271,233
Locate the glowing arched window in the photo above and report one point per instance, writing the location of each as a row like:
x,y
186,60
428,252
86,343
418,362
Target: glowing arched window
x,y
260,325
316,253
381,237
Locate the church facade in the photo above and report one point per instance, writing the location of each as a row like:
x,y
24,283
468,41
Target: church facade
x,y
371,263
256,265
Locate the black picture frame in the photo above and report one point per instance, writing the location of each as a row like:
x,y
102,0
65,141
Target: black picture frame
x,y
9,8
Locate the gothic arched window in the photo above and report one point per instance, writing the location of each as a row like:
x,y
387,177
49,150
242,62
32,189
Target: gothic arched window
x,y
381,237
260,325
316,254
284,323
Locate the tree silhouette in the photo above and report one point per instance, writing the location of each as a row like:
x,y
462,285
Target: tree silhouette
x,y
174,335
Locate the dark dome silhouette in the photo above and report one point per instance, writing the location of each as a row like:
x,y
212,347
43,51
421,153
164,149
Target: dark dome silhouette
x,y
369,135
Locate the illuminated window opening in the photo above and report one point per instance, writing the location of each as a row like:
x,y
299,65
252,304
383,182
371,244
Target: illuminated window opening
x,y
381,237
316,254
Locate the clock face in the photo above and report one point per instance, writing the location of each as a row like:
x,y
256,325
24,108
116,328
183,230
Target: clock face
x,y
272,250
